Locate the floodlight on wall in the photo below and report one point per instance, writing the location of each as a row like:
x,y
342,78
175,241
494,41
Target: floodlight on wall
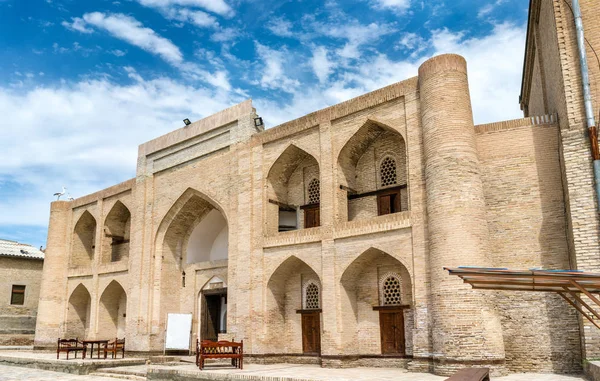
x,y
187,122
258,122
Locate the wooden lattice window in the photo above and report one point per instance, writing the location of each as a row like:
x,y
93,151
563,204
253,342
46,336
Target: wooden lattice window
x,y
391,290
314,191
311,296
387,171
17,297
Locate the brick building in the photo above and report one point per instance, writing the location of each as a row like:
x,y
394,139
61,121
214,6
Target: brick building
x,y
323,239
21,272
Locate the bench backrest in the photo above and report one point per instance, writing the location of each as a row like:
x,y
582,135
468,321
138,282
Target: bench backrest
x,y
217,347
117,343
471,374
68,343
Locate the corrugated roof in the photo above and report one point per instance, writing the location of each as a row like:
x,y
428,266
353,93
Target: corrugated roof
x,y
19,250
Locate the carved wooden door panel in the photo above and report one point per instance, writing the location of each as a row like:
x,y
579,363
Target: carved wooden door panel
x,y
392,332
311,333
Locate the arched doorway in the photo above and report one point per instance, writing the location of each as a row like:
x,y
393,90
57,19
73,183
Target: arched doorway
x,y
294,309
294,191
193,239
112,311
115,239
84,237
212,309
372,173
78,313
376,299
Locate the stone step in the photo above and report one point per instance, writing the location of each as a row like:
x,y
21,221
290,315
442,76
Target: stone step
x,y
119,376
140,371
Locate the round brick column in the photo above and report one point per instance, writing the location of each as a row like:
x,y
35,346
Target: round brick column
x,y
465,327
51,305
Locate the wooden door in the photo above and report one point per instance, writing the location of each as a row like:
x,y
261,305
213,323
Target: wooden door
x,y
311,333
312,217
392,332
388,202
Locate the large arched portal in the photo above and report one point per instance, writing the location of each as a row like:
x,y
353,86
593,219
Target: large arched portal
x,y
372,168
194,239
112,311
376,298
78,313
294,192
294,309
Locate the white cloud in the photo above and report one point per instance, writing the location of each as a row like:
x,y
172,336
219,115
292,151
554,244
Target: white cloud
x,y
225,34
198,18
280,27
487,9
413,43
78,24
494,76
132,31
273,72
89,136
355,33
321,65
399,5
219,7
118,52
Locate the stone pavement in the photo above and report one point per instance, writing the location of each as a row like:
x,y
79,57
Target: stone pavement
x,y
13,373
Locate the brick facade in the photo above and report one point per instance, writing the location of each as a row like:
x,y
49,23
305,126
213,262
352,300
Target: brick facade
x,y
510,194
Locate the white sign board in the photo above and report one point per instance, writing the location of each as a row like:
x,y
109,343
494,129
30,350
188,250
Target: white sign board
x,y
179,330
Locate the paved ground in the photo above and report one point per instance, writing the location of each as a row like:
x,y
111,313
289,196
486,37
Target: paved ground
x,y
10,373
13,373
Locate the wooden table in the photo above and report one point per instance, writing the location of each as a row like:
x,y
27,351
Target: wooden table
x,y
92,342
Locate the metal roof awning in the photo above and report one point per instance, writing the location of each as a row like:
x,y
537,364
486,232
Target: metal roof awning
x,y
569,284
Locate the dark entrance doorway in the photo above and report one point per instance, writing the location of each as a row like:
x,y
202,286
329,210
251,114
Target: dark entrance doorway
x,y
214,314
391,324
311,333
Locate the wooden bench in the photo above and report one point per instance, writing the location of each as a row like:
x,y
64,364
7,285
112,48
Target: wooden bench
x,y
471,374
207,349
115,346
68,346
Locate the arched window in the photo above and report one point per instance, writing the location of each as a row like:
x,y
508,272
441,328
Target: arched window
x,y
312,296
390,290
387,171
314,191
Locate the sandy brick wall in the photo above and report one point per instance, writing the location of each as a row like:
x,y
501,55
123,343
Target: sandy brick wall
x,y
526,218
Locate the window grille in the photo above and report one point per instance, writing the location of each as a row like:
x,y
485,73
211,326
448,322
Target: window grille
x,y
392,291
388,171
311,297
314,191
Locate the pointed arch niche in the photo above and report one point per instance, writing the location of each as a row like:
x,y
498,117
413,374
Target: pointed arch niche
x,y
287,330
372,173
112,311
115,240
78,313
293,192
195,230
368,288
84,238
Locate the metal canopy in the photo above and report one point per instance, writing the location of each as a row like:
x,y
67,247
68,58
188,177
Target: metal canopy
x,y
569,284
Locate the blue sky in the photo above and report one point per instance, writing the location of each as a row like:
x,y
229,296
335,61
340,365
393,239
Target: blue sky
x,y
83,83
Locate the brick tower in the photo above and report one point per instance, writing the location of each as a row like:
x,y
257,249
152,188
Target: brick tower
x,y
465,328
